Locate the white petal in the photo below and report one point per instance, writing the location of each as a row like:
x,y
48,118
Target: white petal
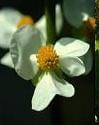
x,y
44,93
63,87
74,10
66,89
33,60
71,47
25,42
85,17
6,32
47,88
7,61
8,20
41,25
10,15
72,66
88,61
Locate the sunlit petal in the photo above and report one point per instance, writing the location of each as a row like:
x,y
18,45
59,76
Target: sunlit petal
x,y
71,47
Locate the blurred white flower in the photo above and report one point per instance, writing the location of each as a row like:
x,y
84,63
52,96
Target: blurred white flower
x,y
11,20
34,60
78,11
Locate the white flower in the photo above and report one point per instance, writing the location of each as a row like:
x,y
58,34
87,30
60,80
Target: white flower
x,y
78,11
35,60
9,20
96,119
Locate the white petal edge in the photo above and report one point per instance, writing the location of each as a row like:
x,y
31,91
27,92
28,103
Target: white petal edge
x,y
71,47
7,60
72,66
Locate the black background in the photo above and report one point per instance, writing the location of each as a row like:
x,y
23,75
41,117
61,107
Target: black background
x,y
16,93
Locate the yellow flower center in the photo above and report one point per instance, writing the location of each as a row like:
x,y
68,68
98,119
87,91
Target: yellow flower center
x,y
47,58
25,20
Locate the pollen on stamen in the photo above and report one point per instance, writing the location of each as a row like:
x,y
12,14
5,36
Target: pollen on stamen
x,y
25,20
47,58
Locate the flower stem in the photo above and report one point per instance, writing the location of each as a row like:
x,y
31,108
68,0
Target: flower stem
x,y
50,21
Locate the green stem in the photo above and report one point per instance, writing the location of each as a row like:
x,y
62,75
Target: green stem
x,y
50,21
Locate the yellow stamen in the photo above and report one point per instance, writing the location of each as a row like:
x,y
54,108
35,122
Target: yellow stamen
x,y
47,58
25,20
89,27
90,23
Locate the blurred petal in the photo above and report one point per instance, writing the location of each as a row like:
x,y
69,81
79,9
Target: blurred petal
x,y
41,25
71,47
33,60
75,11
7,61
10,15
8,19
6,32
44,93
72,66
59,19
25,42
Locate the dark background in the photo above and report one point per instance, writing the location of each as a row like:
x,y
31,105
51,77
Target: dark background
x,y
16,93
